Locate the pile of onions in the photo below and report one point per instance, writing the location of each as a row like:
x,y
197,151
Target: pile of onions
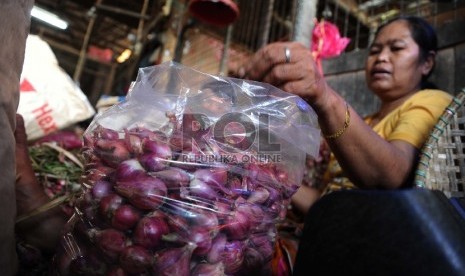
x,y
145,211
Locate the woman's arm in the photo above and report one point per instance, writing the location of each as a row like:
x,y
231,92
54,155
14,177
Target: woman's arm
x,y
367,159
14,28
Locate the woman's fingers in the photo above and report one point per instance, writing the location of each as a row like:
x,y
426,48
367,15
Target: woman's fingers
x,y
289,66
266,59
286,72
20,131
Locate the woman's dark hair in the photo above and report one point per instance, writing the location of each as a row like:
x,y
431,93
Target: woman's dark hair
x,y
424,35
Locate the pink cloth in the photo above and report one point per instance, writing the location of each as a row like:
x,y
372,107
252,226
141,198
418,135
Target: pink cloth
x,y
14,28
327,41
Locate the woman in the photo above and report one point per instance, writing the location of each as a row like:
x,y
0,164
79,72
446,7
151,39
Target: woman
x,y
381,150
14,22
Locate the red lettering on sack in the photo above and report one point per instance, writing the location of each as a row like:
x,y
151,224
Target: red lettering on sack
x,y
45,119
50,129
26,86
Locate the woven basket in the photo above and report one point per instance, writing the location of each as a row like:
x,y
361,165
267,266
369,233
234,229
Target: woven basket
x,y
442,161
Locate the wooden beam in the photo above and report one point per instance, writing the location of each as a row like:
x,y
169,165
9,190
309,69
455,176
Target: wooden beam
x,y
70,50
351,6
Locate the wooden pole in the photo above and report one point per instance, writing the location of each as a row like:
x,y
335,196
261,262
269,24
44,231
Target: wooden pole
x,y
85,44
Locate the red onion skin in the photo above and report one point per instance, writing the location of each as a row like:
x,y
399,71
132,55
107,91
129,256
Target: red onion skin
x,y
176,143
110,241
223,209
149,231
202,190
238,225
133,143
129,169
125,217
207,220
224,238
109,204
277,210
98,173
217,248
267,225
193,131
158,214
233,256
216,178
106,133
112,152
282,176
178,224
101,189
173,261
146,193
88,141
212,176
152,163
205,269
160,149
145,133
173,177
255,213
69,140
259,196
201,237
275,196
90,157
263,243
235,185
136,259
254,263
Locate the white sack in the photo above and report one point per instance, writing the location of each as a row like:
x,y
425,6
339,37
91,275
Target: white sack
x,y
49,99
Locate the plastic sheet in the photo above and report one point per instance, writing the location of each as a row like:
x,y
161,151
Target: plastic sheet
x,y
188,176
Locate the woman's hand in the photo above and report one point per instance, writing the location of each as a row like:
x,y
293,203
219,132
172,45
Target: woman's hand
x,y
295,72
366,158
29,192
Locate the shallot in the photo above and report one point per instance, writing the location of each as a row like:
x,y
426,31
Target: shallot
x,y
153,163
173,177
174,261
110,241
112,152
135,259
144,192
109,204
149,231
233,256
160,203
238,225
206,269
101,189
129,169
125,217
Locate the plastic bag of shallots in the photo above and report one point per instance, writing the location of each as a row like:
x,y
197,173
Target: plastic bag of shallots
x,y
188,176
